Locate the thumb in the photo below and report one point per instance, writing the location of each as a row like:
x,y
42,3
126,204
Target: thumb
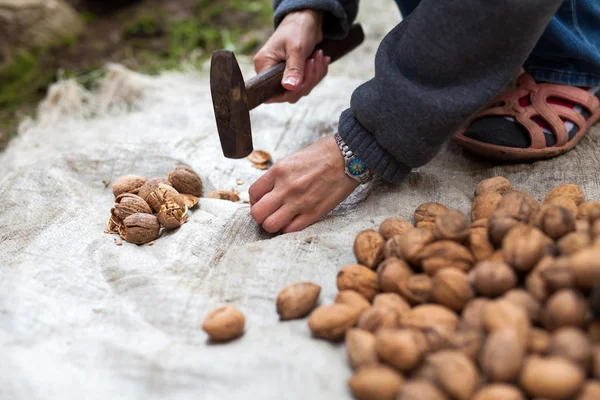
x,y
294,70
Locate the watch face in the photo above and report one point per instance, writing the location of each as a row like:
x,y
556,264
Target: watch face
x,y
356,167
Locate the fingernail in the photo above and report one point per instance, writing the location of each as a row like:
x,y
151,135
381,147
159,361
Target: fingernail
x,y
327,59
291,80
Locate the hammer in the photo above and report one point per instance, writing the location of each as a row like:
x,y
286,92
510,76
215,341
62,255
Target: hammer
x,y
233,99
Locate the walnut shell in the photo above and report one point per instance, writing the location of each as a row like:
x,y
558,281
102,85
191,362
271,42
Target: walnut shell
x,y
555,221
429,212
420,389
331,322
593,331
224,324
525,300
394,226
467,341
451,288
472,316
499,391
128,184
151,186
452,225
360,347
186,181
186,200
565,202
376,382
535,284
596,361
378,317
479,241
160,196
524,246
296,300
445,253
391,273
573,242
585,267
454,372
502,355
228,195
538,342
259,157
497,184
112,226
572,344
392,301
500,314
127,204
400,348
429,316
557,275
392,247
494,279
589,211
550,377
497,256
413,242
570,191
518,205
354,300
140,228
358,278
566,307
171,215
416,289
484,205
499,224
583,226
590,390
368,248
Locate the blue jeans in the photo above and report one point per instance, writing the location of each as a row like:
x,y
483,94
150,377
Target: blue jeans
x,y
568,51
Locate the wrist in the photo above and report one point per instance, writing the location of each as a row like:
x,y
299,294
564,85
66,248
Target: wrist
x,y
313,16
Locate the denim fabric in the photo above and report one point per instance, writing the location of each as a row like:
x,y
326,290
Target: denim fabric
x,y
568,51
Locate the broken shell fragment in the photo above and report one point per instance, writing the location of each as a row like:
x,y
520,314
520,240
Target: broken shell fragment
x,y
229,195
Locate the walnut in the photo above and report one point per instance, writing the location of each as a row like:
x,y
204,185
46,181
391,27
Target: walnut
x,y
499,224
358,278
472,316
566,307
526,301
497,184
368,248
524,246
585,267
501,314
353,300
128,184
498,391
493,279
416,289
151,186
394,226
171,215
392,247
452,225
557,275
550,377
570,191
224,324
484,205
400,348
375,382
428,212
391,273
538,342
140,228
420,389
429,316
378,317
573,242
229,195
565,202
535,284
451,288
454,372
518,205
502,355
393,301
297,300
555,221
479,241
445,253
160,196
331,322
186,181
589,211
360,347
127,204
572,344
413,242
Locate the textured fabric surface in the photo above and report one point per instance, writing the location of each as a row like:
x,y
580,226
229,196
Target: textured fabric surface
x,y
82,318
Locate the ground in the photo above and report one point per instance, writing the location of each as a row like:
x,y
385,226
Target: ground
x,y
143,35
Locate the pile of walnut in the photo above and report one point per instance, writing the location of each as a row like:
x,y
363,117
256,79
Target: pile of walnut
x,y
143,206
492,310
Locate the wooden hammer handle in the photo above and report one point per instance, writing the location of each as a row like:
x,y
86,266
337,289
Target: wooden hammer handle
x,y
268,84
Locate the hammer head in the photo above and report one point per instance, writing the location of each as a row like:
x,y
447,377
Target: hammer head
x,y
230,102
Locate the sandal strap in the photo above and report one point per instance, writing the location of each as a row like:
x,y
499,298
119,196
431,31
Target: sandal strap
x,y
507,105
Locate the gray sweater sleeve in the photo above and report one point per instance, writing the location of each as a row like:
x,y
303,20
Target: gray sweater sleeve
x,y
433,72
339,14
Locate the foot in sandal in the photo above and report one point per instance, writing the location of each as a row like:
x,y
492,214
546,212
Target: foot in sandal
x,y
532,121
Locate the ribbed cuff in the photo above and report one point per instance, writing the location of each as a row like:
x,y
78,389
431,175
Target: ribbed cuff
x,y
370,152
335,22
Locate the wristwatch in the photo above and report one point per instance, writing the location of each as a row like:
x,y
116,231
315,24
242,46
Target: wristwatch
x,y
355,168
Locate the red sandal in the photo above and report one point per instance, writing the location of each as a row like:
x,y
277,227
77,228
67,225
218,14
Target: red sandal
x,y
551,115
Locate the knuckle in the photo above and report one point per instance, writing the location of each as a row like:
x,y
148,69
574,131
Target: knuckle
x,y
270,226
254,213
